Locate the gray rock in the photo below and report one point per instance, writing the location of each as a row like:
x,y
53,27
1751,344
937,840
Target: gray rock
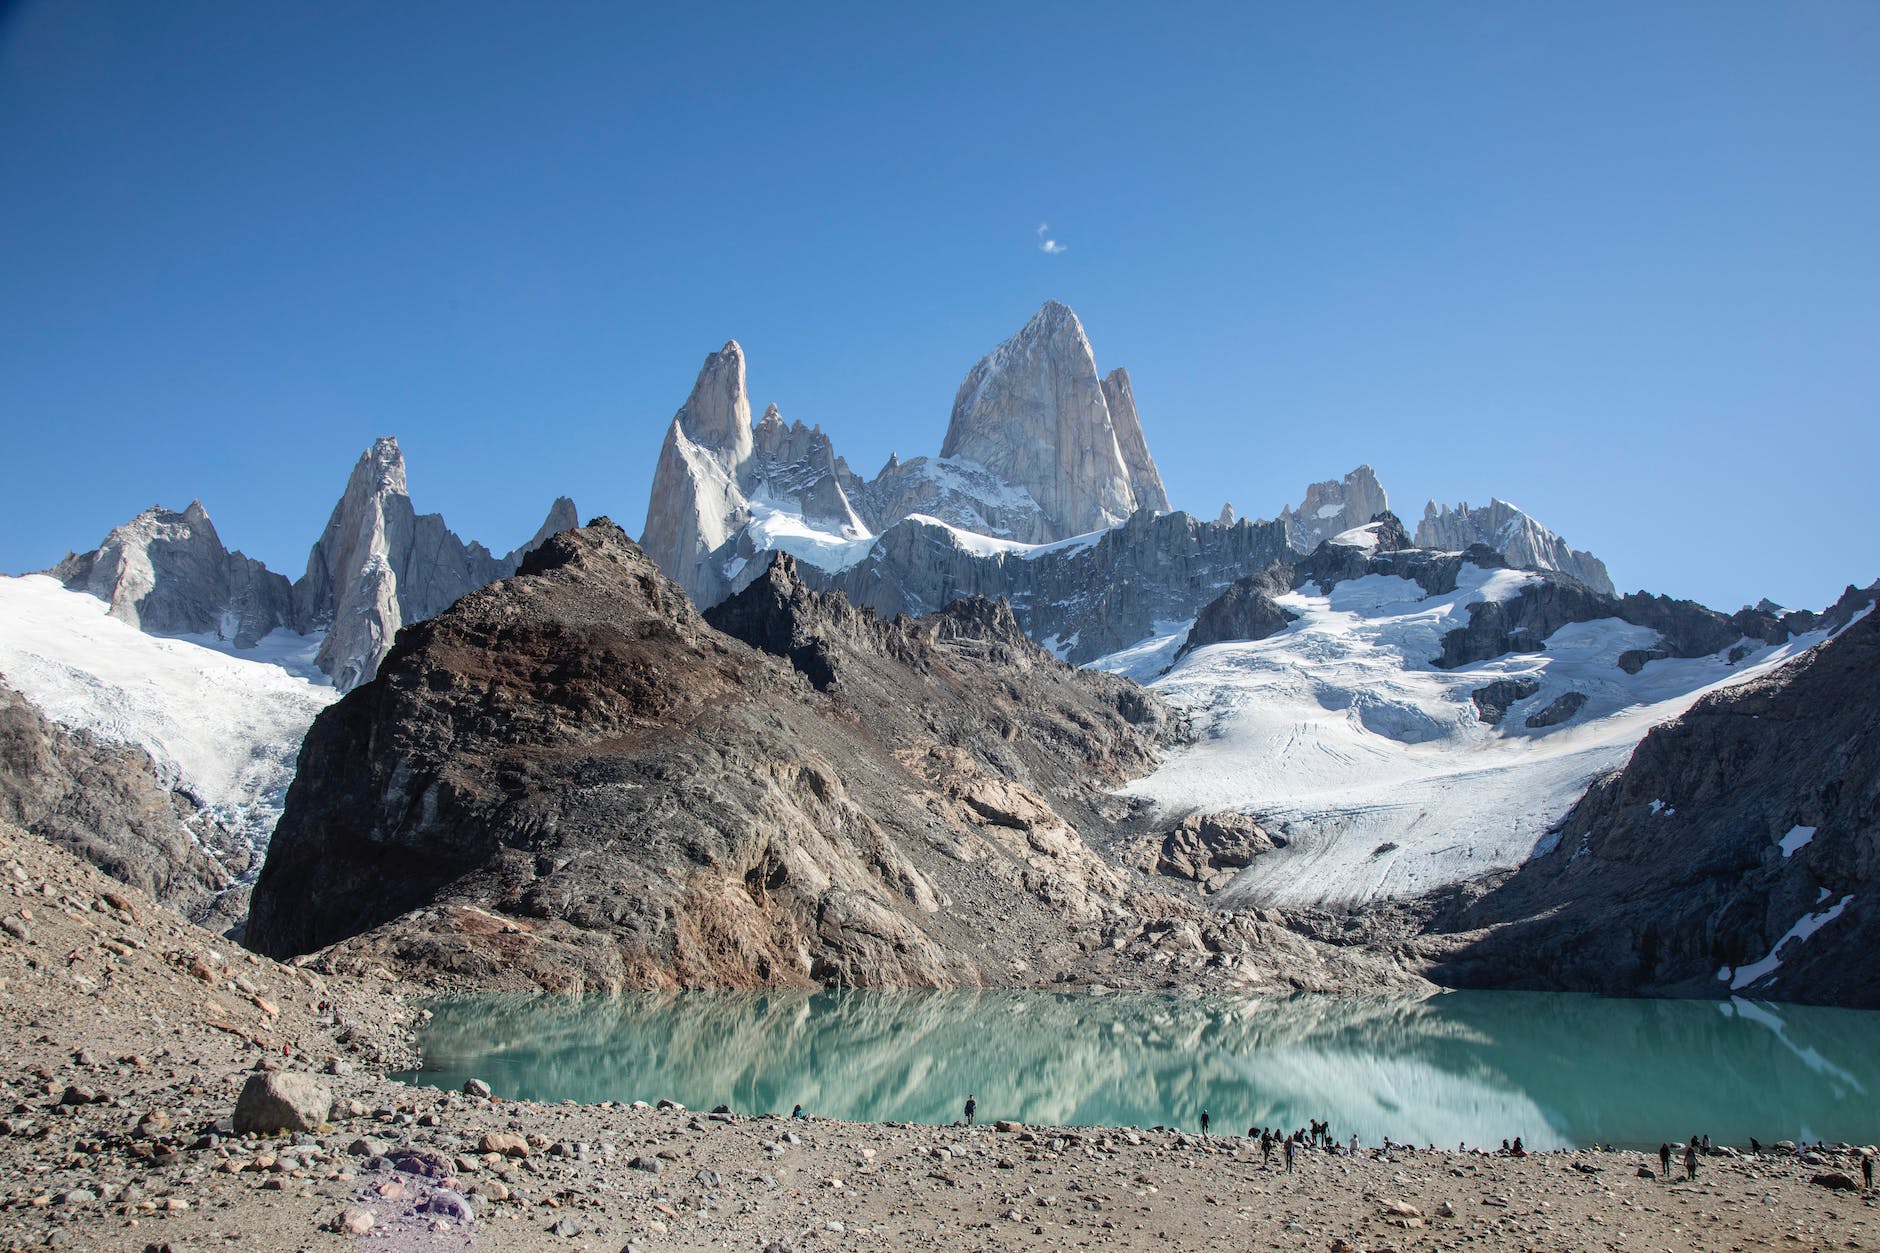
x,y
1207,848
274,1101
477,1088
1333,507
380,564
445,1203
168,573
1034,412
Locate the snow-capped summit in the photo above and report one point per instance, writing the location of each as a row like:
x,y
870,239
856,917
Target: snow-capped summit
x,y
1513,533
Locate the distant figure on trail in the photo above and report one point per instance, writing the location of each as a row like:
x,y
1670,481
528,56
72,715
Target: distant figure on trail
x,y
1354,1144
1706,1144
972,1107
1755,1148
1518,1150
1266,1148
1204,1122
797,1112
1292,1151
1664,1160
1866,1169
1690,1162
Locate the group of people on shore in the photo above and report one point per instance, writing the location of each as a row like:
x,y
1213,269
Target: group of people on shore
x,y
1317,1136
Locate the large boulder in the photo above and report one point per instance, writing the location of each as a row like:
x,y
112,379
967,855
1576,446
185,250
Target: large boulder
x,y
276,1101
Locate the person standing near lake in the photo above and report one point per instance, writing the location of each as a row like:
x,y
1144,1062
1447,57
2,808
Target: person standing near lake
x,y
1204,1122
1292,1150
1866,1169
1664,1160
1690,1161
972,1107
1266,1147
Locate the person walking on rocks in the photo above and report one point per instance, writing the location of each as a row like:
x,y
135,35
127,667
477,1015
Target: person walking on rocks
x,y
972,1107
1690,1162
1866,1169
1292,1151
1204,1122
1266,1147
1664,1160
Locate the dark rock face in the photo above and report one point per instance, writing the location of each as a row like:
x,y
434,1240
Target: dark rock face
x,y
1560,709
1491,702
105,803
1685,628
1097,597
1674,870
570,779
1245,611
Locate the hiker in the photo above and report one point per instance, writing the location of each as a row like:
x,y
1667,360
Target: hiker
x,y
1755,1149
972,1107
1204,1122
1664,1160
1354,1144
1866,1169
1706,1144
1518,1150
1690,1162
798,1113
1292,1151
1266,1148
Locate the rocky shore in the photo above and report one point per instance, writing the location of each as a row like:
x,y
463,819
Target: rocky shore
x,y
129,1036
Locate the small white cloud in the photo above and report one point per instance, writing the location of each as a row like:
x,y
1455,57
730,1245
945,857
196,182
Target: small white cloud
x,y
1046,244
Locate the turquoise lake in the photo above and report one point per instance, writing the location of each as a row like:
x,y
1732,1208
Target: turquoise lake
x,y
1459,1067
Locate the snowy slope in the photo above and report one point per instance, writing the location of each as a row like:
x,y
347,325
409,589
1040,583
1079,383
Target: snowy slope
x,y
1339,734
223,726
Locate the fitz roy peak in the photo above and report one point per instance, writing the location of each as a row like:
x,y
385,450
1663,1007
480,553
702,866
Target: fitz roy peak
x,y
1045,494
1040,447
1036,413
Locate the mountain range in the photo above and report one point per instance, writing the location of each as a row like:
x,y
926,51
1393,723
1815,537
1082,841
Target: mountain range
x,y
988,717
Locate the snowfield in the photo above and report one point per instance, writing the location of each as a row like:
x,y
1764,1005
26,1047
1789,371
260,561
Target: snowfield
x,y
222,726
1339,734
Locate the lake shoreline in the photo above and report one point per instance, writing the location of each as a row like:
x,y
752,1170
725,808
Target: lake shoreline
x,y
128,1034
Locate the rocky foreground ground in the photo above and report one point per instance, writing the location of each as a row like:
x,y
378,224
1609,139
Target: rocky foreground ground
x,y
127,1036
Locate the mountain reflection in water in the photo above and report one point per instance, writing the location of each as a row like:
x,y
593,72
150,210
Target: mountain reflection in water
x,y
1474,1067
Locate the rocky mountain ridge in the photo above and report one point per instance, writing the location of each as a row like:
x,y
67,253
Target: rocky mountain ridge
x,y
106,803
571,779
1736,854
1044,495
378,564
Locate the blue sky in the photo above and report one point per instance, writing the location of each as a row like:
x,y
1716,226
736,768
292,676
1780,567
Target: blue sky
x,y
1616,263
